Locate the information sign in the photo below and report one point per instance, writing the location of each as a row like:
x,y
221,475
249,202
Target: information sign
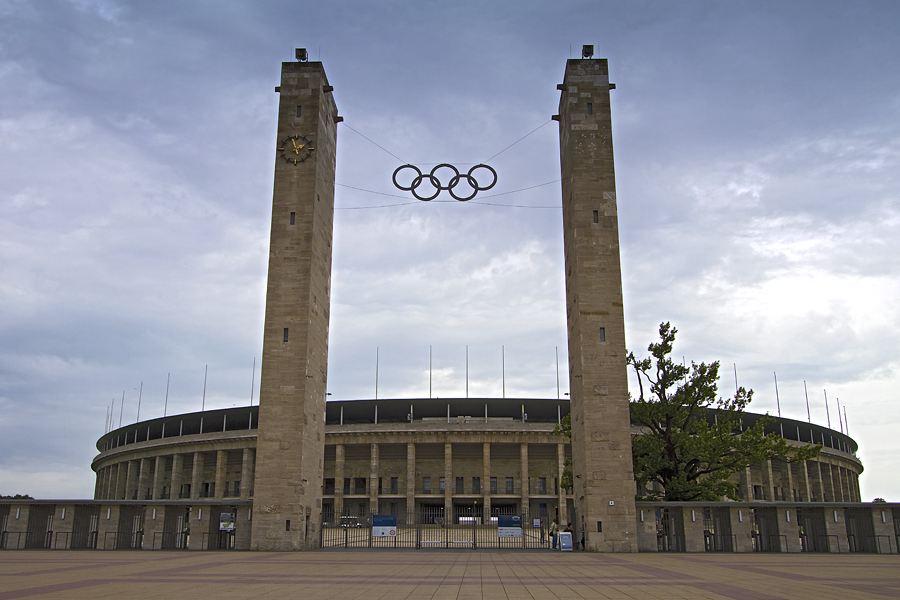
x,y
226,521
384,526
565,541
509,526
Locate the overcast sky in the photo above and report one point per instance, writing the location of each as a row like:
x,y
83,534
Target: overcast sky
x,y
757,149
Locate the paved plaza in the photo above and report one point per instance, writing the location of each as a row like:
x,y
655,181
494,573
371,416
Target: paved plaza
x,y
467,575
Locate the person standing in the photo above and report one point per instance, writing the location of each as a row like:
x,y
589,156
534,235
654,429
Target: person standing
x,y
554,532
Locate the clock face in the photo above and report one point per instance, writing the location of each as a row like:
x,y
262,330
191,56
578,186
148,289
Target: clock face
x,y
295,149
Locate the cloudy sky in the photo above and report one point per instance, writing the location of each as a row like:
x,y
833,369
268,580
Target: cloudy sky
x,y
758,160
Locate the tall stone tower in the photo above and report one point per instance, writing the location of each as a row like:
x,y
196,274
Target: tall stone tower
x,y
601,427
291,442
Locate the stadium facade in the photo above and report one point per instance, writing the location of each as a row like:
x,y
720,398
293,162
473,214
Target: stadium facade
x,y
297,473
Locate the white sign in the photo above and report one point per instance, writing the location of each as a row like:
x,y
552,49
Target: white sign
x,y
384,532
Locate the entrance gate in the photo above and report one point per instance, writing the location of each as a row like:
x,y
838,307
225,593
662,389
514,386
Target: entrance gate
x,y
428,528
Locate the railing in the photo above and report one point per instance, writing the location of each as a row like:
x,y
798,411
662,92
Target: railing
x,y
163,540
878,542
67,540
669,542
769,543
106,537
830,543
871,544
221,540
778,543
42,544
720,543
7,537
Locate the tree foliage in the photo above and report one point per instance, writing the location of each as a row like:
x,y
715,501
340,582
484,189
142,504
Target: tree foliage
x,y
680,449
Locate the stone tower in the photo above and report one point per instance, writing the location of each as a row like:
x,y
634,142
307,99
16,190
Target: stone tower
x,y
601,427
291,442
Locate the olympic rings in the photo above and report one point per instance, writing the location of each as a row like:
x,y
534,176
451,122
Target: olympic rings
x,y
439,187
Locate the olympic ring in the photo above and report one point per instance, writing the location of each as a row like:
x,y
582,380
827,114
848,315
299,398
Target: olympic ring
x,y
439,187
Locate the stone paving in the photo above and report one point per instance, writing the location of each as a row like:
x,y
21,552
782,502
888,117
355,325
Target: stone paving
x,y
396,575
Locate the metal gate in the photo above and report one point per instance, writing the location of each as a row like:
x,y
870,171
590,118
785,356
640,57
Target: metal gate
x,y
861,532
717,536
764,531
84,526
130,535
813,533
40,526
430,527
669,530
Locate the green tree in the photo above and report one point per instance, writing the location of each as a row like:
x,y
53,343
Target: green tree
x,y
680,449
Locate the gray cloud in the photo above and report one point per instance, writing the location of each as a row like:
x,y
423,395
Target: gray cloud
x,y
756,146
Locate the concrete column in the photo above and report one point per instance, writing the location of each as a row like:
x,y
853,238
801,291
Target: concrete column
x,y
806,487
526,492
790,479
105,489
144,479
448,483
338,481
196,477
851,488
562,506
789,527
646,528
821,481
199,524
121,480
158,468
693,528
747,479
154,518
835,526
221,464
486,482
97,480
740,528
411,482
882,520
373,479
840,478
245,474
131,476
251,469
769,490
104,484
177,468
108,524
835,488
112,482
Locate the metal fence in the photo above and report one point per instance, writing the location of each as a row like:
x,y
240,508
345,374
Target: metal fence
x,y
424,530
716,542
